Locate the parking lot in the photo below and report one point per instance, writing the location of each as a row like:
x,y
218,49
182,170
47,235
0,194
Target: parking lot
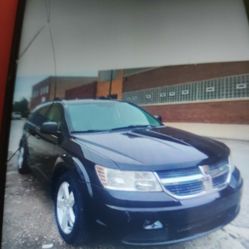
x,y
29,219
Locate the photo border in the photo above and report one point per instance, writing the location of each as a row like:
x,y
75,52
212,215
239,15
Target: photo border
x,y
7,86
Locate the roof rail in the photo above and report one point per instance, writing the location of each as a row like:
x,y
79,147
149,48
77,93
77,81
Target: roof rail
x,y
112,96
103,97
57,99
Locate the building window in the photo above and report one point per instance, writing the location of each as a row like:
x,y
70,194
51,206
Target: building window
x,y
229,87
44,90
241,86
185,92
163,94
210,89
35,93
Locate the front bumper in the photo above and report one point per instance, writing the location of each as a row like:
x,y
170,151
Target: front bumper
x,y
127,213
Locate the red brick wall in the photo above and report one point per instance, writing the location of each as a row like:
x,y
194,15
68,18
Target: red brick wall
x,y
38,99
184,73
116,88
82,92
227,112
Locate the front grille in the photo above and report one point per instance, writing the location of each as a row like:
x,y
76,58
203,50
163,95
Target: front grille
x,y
193,187
179,173
185,183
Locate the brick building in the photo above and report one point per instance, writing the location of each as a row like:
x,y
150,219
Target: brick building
x,y
110,82
87,91
55,87
203,93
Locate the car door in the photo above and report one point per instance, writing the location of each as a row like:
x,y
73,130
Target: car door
x,y
51,143
33,137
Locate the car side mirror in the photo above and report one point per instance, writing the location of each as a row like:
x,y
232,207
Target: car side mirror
x,y
158,117
50,128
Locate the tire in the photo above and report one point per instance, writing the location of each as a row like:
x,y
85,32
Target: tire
x,y
70,210
22,161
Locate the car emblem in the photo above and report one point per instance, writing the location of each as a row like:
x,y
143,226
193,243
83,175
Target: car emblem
x,y
207,178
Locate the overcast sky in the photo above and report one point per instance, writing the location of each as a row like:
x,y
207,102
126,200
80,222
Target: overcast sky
x,y
91,35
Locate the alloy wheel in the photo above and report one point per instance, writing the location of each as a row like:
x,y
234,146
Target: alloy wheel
x,y
20,158
65,208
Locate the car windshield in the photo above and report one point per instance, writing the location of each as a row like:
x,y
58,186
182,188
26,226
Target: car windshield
x,y
107,116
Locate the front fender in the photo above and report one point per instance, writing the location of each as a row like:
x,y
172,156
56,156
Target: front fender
x,y
67,163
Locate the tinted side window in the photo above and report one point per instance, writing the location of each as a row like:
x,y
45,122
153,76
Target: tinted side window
x,y
55,115
39,116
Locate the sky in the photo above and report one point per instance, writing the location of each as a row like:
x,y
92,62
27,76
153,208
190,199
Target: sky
x,y
80,37
23,84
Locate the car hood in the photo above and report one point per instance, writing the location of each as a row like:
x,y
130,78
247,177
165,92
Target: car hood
x,y
150,148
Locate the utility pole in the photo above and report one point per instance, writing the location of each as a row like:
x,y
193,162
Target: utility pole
x,y
110,85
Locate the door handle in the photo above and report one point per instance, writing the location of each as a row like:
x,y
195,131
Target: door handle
x,y
32,132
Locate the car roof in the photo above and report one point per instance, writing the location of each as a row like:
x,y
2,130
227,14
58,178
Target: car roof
x,y
76,101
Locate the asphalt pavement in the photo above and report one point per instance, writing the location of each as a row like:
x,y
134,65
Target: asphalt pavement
x,y
29,218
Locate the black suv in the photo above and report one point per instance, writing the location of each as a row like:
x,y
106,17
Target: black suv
x,y
112,163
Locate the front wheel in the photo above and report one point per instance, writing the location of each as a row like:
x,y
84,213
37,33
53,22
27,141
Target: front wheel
x,y
69,209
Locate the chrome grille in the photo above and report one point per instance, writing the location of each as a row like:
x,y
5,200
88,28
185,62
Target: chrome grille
x,y
179,173
190,182
185,188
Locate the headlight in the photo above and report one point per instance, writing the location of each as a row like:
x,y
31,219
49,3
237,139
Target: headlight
x,y
127,180
231,162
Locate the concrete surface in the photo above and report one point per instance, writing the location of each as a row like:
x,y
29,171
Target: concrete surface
x,y
227,131
29,220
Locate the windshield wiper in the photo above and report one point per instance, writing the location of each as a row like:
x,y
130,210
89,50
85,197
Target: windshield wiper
x,y
115,129
88,131
131,127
